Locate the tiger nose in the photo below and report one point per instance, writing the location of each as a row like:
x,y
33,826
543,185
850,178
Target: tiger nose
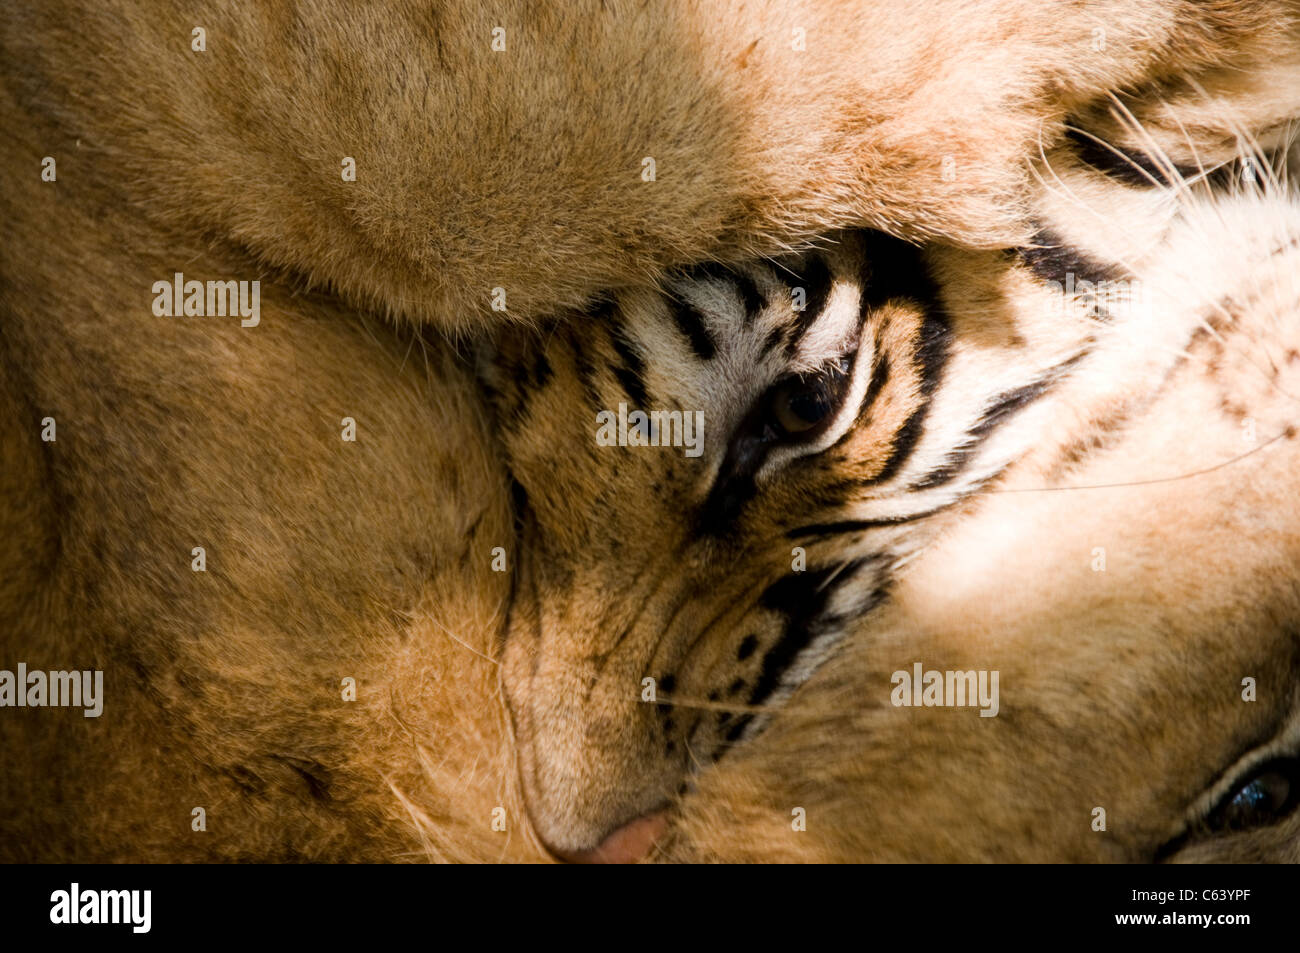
x,y
624,845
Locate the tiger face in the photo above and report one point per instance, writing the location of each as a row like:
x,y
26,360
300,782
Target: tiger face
x,y
1131,577
688,629
717,480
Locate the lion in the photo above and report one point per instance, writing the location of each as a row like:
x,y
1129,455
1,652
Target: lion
x,y
301,545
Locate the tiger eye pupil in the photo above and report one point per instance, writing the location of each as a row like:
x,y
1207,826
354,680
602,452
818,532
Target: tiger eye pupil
x,y
1267,792
1252,796
810,406
1256,802
799,404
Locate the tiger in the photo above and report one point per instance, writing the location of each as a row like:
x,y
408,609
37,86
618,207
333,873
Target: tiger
x,y
975,462
316,557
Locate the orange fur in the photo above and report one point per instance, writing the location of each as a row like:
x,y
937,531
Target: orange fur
x,y
372,560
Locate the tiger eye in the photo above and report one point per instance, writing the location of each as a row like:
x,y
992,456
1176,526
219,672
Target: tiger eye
x,y
801,404
799,409
1257,802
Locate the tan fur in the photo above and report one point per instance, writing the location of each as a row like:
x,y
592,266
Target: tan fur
x,y
522,169
1121,689
372,559
1165,447
1144,454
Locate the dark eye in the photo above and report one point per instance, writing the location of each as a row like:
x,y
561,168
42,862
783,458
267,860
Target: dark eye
x,y
798,406
1264,798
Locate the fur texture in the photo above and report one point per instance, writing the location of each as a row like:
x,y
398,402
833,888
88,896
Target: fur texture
x,y
522,169
1080,502
372,560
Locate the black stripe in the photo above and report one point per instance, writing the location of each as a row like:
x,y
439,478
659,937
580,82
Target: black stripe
x,y
526,381
896,270
812,274
518,502
734,486
631,373
948,470
931,357
879,378
585,370
750,296
1131,168
542,372
1120,164
999,411
854,526
774,337
899,270
1052,259
601,311
1004,407
880,371
691,323
1139,169
905,441
735,731
802,598
601,308
493,394
893,268
703,271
